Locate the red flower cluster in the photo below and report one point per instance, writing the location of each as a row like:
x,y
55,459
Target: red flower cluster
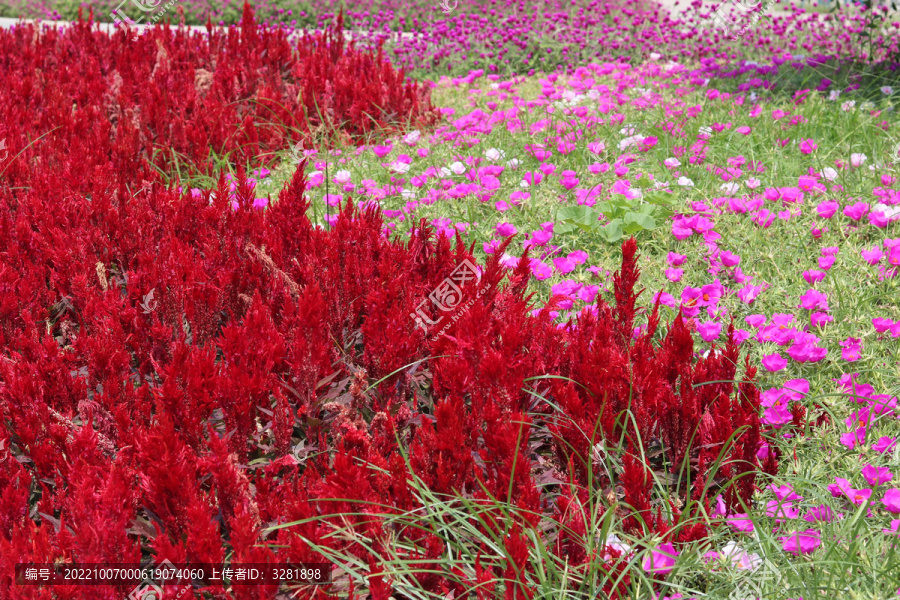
x,y
173,98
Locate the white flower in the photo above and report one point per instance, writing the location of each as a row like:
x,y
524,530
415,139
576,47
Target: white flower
x,y
672,162
834,95
889,211
524,184
655,56
887,90
829,173
412,137
752,183
408,194
493,154
342,177
630,141
445,172
867,105
706,130
613,541
685,182
730,188
857,159
399,167
753,96
848,105
513,163
458,168
628,130
740,558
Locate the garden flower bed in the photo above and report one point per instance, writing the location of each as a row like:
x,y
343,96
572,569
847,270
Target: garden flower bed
x,y
625,330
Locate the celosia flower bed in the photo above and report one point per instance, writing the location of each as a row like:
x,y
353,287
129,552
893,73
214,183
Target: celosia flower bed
x,y
190,102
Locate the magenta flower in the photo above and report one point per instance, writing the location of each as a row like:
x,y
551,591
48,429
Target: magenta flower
x,y
662,560
710,294
676,260
857,211
814,300
894,530
797,388
827,209
748,293
563,265
817,319
579,257
774,362
785,492
740,522
825,262
873,256
882,325
782,511
777,416
728,259
808,146
803,542
755,321
860,496
851,351
506,229
674,275
820,514
812,277
709,330
891,501
884,444
876,475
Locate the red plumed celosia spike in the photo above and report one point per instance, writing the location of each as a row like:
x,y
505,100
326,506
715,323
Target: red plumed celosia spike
x,y
626,297
637,484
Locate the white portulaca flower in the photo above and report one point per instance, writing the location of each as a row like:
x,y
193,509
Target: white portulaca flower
x,y
399,167
887,90
513,163
889,211
706,130
630,141
493,154
730,187
829,173
445,172
672,162
342,177
685,182
848,105
412,137
458,168
740,558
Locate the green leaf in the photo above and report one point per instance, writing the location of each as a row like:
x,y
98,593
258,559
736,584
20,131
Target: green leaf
x,y
641,221
612,232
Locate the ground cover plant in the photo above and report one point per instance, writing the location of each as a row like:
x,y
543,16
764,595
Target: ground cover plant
x,y
224,333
